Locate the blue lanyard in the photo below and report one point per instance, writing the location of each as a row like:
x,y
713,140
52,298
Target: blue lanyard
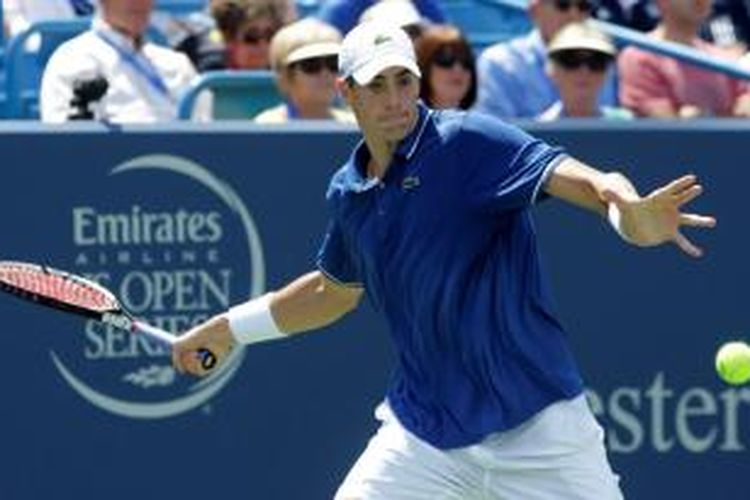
x,y
142,65
292,112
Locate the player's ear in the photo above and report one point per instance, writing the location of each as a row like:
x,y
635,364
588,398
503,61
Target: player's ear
x,y
344,88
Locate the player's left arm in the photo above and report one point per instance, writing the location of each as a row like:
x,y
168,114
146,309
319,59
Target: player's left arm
x,y
648,220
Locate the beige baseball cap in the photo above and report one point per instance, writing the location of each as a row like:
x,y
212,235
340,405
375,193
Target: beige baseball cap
x,y
374,46
321,49
581,36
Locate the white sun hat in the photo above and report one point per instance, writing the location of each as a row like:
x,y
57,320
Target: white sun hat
x,y
373,46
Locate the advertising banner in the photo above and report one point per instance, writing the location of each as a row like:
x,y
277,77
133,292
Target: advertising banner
x,y
182,223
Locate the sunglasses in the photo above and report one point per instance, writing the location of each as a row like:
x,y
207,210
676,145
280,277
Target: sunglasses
x,y
447,60
315,65
254,36
566,5
574,59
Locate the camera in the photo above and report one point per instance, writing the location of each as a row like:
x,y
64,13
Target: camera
x,y
84,93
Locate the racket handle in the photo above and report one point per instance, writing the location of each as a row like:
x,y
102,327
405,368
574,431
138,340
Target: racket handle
x,y
206,357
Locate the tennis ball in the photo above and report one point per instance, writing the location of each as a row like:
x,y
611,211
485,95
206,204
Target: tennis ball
x,y
733,362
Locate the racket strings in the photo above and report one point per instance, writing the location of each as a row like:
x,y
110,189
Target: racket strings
x,y
59,287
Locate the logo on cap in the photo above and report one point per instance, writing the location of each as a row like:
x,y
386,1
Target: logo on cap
x,y
380,39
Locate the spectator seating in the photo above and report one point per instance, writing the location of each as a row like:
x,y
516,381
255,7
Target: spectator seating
x,y
23,71
238,95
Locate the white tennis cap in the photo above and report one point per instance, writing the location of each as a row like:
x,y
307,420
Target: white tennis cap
x,y
374,46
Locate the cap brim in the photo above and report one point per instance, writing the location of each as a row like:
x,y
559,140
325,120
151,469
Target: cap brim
x,y
366,73
313,50
593,45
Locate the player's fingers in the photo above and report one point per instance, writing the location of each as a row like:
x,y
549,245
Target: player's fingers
x,y
191,362
696,220
689,194
680,184
687,246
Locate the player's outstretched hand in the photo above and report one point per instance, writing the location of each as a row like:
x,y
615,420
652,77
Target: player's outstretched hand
x,y
658,217
213,335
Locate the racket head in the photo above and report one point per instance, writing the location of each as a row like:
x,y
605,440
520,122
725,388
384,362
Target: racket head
x,y
57,289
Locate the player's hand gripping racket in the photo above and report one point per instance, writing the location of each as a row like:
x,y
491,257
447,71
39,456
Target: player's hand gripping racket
x,y
75,294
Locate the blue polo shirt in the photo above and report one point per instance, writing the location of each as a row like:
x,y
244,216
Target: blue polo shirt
x,y
445,248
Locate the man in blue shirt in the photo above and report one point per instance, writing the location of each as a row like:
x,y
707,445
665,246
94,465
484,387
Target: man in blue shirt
x,y
344,14
512,81
430,217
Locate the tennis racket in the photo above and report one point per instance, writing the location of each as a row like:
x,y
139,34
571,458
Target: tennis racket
x,y
78,295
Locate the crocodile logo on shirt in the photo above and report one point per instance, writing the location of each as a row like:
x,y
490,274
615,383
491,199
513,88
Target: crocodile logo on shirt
x,y
381,39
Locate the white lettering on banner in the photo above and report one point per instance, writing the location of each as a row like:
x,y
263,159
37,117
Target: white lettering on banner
x,y
663,420
105,342
149,258
137,227
165,267
176,290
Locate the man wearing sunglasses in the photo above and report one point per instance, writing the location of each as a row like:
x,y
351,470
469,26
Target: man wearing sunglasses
x,y
304,57
430,218
512,78
579,58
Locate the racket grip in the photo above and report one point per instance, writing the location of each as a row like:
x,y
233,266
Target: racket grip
x,y
207,359
205,356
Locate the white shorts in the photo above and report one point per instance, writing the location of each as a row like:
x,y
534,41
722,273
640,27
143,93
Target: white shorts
x,y
557,455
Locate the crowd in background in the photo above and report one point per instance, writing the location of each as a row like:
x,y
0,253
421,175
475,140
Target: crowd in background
x,y
563,68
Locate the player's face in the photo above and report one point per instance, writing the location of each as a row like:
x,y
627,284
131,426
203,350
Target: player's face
x,y
387,106
130,16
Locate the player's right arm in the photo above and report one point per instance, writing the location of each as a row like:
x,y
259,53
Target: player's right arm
x,y
309,302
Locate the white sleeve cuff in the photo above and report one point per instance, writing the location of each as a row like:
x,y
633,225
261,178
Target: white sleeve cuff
x,y
253,322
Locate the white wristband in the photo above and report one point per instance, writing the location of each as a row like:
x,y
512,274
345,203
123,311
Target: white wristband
x,y
615,220
252,321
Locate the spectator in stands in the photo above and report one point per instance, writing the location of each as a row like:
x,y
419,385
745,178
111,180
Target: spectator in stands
x,y
658,86
579,57
641,15
729,25
449,77
401,12
512,78
142,81
345,14
247,26
193,33
304,56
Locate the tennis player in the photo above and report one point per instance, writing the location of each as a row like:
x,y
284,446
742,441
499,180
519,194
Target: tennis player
x,y
430,218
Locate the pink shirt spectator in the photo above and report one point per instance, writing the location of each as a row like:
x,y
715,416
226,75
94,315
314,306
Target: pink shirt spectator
x,y
650,81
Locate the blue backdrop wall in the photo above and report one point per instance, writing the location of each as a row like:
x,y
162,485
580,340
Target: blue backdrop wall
x,y
184,221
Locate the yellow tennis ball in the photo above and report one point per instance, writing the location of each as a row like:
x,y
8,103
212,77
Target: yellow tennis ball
x,y
733,362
